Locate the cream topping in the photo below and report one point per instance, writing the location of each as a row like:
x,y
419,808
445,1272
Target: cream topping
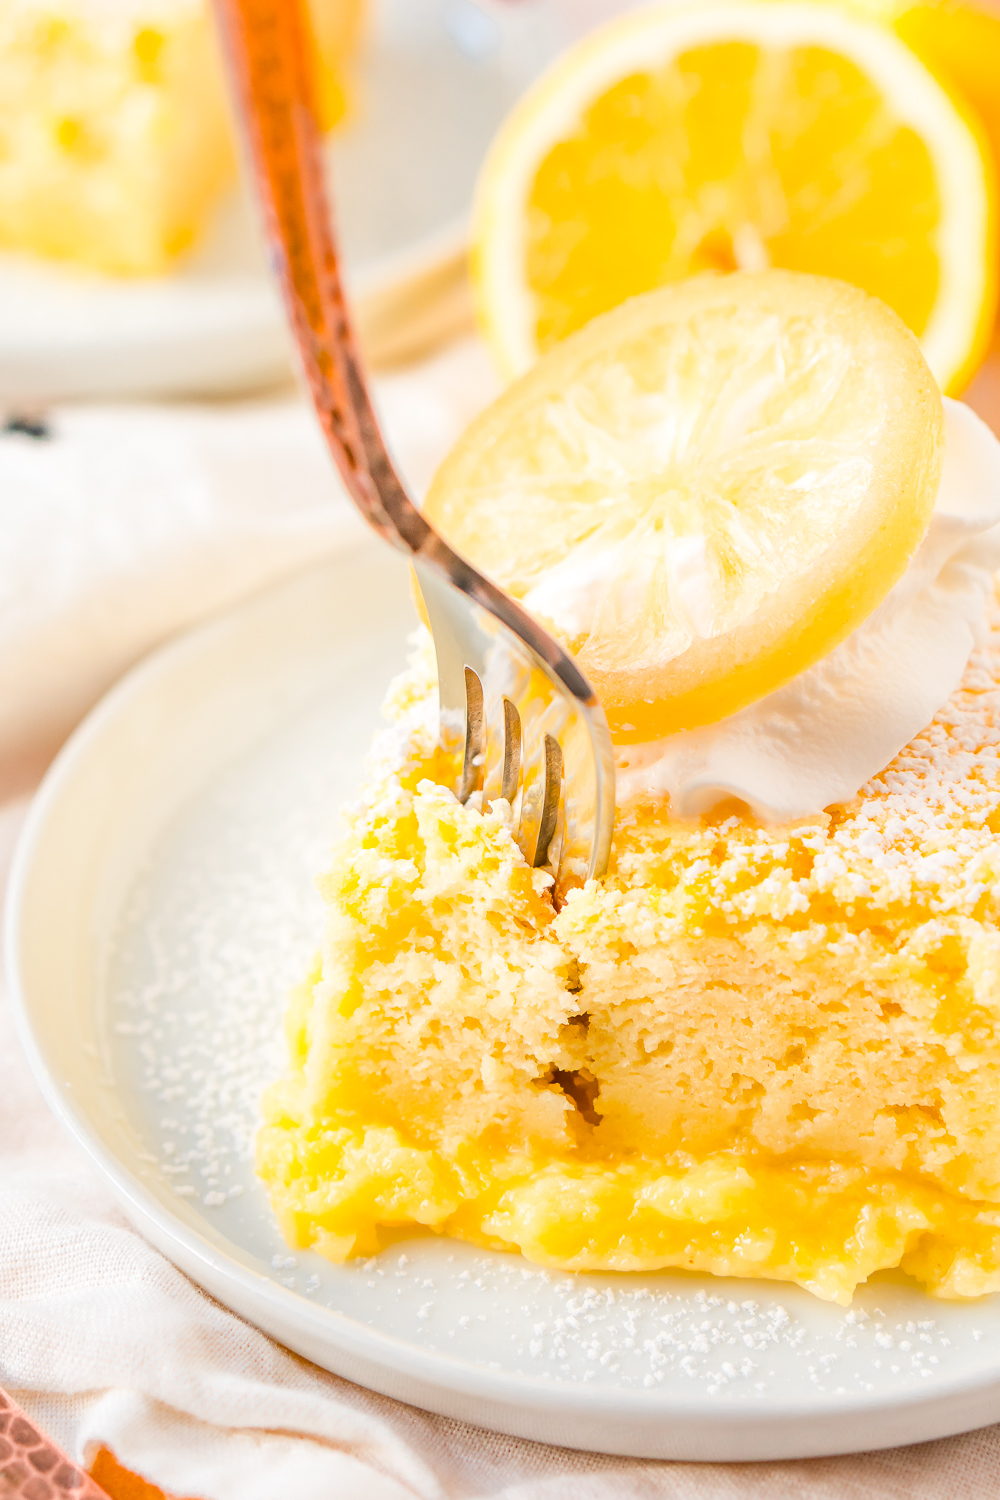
x,y
817,740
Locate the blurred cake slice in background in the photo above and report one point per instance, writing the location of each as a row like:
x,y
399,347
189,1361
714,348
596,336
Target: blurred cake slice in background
x,y
115,140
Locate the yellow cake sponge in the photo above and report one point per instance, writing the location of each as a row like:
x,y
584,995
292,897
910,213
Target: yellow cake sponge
x,y
753,1051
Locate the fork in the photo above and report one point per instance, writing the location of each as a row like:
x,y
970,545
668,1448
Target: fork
x,y
527,725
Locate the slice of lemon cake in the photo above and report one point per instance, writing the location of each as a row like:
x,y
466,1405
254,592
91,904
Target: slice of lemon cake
x,y
114,129
768,1042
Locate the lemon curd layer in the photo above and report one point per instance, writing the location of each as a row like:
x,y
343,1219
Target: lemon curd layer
x,y
769,1052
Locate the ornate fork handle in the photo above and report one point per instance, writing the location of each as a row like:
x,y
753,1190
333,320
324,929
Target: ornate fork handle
x,y
269,48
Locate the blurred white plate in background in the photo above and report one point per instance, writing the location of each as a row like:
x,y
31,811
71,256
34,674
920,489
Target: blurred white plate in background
x,y
434,81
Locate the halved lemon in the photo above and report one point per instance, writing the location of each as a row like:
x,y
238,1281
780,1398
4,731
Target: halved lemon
x,y
705,490
737,134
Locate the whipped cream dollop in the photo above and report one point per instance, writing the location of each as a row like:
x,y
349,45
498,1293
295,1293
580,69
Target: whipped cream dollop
x,y
817,740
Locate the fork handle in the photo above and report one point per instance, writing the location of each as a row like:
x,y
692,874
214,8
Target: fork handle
x,y
269,48
271,56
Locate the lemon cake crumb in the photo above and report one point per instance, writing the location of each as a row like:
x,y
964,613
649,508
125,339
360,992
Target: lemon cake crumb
x,y
753,1051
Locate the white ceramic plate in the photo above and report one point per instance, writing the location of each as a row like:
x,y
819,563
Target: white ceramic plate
x,y
435,79
162,905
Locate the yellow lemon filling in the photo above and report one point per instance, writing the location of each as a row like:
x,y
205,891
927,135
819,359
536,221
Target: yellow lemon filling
x,y
755,1052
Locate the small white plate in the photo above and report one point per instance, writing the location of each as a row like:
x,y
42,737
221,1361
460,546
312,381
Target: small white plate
x,y
434,80
162,905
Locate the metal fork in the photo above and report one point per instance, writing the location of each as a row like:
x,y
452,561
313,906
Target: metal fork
x,y
534,731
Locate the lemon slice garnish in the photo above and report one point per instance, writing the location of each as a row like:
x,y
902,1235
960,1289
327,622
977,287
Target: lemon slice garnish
x,y
734,135
705,490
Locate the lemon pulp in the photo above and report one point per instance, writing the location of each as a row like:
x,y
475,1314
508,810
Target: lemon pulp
x,y
750,189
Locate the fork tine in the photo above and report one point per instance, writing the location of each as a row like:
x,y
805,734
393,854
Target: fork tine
x,y
511,773
550,800
475,737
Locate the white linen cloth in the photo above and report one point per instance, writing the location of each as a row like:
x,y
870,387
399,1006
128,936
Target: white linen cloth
x,y
131,522
127,525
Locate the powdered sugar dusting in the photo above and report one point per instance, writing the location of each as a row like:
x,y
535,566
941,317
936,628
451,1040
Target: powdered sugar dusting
x,y
210,949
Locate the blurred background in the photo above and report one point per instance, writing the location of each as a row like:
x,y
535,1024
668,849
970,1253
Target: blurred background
x,y
415,90
129,262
